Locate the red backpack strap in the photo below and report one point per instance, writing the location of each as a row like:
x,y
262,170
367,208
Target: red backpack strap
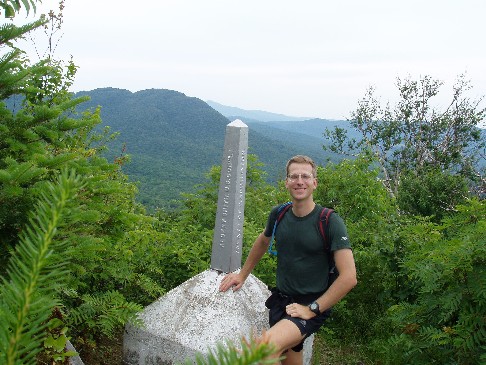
x,y
324,229
324,226
282,210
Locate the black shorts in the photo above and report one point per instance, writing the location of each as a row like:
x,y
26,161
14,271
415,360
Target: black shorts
x,y
277,302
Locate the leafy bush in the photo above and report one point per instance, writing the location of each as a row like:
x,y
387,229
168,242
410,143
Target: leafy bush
x,y
431,192
353,189
444,323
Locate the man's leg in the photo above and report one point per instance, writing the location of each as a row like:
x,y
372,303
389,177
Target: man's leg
x,y
293,358
285,335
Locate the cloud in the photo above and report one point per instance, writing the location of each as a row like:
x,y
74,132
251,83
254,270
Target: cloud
x,y
302,58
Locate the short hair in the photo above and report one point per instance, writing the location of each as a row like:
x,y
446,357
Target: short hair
x,y
302,159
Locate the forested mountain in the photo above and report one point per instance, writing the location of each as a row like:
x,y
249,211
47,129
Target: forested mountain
x,y
174,139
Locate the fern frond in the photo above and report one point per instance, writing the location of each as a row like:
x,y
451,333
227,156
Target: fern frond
x,y
33,274
106,312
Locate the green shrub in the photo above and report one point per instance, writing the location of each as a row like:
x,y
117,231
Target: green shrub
x,y
444,323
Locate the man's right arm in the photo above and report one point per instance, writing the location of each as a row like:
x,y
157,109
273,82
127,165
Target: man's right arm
x,y
257,251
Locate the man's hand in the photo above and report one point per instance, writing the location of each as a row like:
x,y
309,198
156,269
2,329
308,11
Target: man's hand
x,y
231,280
300,311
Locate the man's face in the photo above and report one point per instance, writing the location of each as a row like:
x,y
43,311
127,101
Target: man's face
x,y
300,181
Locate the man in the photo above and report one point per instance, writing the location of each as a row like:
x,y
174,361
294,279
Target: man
x,y
300,304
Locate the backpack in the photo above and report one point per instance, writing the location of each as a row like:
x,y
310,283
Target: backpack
x,y
323,225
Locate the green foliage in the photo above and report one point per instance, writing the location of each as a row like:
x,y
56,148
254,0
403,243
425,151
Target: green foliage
x,y
56,340
34,273
108,243
353,189
431,192
414,139
249,353
115,260
260,198
37,136
11,7
444,323
104,313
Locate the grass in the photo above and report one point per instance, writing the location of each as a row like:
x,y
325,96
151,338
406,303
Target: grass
x,y
329,351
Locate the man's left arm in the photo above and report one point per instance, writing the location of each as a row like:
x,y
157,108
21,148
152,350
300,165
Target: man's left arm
x,y
343,284
345,281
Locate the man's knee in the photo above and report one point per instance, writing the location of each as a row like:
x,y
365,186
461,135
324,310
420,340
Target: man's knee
x,y
284,335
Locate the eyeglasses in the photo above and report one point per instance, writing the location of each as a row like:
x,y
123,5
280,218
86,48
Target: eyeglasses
x,y
295,177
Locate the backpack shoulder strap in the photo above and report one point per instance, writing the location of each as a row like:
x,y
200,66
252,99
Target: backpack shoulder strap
x,y
280,213
324,229
324,226
282,210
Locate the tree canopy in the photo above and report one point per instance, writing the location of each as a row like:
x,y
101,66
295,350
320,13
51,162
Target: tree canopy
x,y
415,139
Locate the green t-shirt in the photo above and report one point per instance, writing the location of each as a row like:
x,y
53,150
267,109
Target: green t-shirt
x,y
302,261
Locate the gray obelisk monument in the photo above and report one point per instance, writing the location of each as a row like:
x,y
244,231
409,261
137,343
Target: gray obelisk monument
x,y
195,316
228,229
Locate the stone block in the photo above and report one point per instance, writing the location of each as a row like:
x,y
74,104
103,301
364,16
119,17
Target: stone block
x,y
193,318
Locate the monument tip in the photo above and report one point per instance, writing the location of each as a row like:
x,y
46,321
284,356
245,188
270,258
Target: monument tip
x,y
237,123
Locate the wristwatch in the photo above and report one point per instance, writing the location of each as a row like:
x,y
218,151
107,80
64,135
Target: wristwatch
x,y
314,306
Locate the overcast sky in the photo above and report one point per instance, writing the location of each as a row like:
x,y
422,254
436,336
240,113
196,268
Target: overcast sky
x,y
307,58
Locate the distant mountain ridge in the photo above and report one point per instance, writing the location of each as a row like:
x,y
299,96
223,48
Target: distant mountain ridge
x,y
174,139
306,133
259,115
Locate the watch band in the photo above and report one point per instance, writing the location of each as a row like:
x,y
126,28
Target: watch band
x,y
314,307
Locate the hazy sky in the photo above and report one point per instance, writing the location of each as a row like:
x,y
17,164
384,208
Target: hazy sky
x,y
311,58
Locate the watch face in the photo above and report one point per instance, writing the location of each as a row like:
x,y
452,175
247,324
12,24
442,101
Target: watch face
x,y
314,306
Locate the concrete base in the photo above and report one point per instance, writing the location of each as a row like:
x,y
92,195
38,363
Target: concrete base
x,y
194,317
73,360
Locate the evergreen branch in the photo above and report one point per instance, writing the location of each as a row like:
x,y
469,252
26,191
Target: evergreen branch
x,y
33,274
254,352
